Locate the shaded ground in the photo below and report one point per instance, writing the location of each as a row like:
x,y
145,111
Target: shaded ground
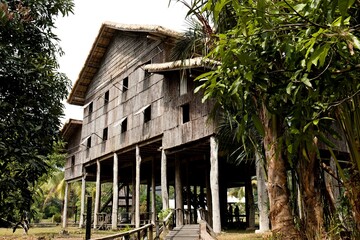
x,y
74,233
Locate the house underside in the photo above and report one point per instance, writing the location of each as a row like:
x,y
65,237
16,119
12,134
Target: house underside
x,y
191,162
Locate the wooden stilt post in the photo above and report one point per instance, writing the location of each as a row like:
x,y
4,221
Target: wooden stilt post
x,y
214,184
249,201
153,193
164,186
208,196
188,194
133,192
82,208
178,197
66,200
97,194
127,208
88,218
148,197
115,201
263,197
137,188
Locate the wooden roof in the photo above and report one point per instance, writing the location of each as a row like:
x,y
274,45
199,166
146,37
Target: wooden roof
x,y
70,127
98,50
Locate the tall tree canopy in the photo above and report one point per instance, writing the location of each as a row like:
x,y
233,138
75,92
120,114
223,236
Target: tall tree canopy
x,y
31,92
285,66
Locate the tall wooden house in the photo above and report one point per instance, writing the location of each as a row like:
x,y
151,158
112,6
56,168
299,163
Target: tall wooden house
x,y
144,125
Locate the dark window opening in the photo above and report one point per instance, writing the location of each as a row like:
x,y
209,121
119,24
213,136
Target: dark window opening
x,y
147,73
147,114
185,113
124,126
106,98
105,134
88,144
72,162
90,108
125,84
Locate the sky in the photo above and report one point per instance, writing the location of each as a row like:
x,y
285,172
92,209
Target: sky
x,y
78,31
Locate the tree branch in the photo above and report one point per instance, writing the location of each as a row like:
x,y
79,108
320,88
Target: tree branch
x,y
304,18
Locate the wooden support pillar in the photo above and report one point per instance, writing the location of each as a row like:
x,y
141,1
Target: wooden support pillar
x,y
148,191
97,194
178,194
153,193
214,184
66,200
164,185
263,197
127,208
133,192
82,208
115,201
208,196
249,204
137,187
188,194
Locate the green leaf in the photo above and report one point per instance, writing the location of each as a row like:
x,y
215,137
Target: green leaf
x,y
258,125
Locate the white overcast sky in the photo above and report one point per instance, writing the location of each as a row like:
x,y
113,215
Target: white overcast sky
x,y
77,32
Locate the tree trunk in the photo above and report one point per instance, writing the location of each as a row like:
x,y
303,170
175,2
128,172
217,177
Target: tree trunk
x,y
281,217
309,174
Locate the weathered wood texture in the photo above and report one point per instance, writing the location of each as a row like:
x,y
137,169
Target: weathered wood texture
x,y
125,57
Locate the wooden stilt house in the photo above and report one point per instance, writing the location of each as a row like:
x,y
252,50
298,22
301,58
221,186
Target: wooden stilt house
x,y
144,125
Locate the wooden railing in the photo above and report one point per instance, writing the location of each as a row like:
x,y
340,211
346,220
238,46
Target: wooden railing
x,y
141,233
164,224
206,232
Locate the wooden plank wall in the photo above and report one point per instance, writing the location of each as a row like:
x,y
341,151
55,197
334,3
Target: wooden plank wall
x,y
124,58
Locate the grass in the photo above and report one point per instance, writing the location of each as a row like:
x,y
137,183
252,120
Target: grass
x,y
75,233
239,234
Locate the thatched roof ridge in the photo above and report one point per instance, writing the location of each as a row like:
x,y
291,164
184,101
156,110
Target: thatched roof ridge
x,y
182,64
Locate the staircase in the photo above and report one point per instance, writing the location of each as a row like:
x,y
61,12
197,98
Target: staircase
x,y
185,232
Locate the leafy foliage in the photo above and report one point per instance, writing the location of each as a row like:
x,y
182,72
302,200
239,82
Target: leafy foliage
x,y
285,66
31,91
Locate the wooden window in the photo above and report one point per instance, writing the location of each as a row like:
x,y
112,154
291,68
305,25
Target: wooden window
x,y
185,113
106,98
72,162
124,125
88,144
90,107
125,84
105,134
147,114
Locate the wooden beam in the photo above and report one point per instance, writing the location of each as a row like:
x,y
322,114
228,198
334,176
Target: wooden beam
x,y
178,194
137,188
115,201
66,199
97,194
153,192
214,184
164,186
82,207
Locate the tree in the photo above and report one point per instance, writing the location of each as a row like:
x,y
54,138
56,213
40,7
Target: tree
x,y
31,91
281,67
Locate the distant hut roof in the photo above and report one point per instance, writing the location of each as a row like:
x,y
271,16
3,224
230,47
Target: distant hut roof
x,y
98,50
181,65
70,127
